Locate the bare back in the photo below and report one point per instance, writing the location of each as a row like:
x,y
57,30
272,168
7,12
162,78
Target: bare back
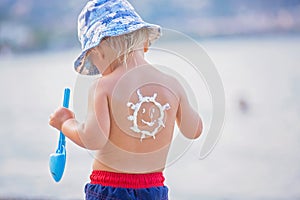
x,y
143,104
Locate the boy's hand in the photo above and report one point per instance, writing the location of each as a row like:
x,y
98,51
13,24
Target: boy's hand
x,y
60,116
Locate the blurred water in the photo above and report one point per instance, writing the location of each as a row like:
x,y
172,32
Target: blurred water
x,y
257,157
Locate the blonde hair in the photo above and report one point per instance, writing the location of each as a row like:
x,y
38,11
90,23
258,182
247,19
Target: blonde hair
x,y
124,44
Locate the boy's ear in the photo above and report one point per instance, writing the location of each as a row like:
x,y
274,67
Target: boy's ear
x,y
146,46
99,51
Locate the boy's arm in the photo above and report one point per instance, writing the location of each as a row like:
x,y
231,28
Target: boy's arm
x,y
188,120
65,116
93,134
97,125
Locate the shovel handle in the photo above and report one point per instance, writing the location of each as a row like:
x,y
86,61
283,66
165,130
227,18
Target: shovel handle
x,y
66,98
62,140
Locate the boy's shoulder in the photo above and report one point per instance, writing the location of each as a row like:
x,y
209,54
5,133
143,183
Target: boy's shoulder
x,y
140,76
168,79
99,86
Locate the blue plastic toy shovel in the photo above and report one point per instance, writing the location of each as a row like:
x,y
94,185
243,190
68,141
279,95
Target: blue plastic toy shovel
x,y
58,159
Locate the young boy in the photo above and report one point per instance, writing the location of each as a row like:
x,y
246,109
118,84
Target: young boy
x,y
132,108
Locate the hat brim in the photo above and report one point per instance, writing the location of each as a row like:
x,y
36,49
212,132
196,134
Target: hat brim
x,y
85,68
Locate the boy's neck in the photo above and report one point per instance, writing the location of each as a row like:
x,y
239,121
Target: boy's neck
x,y
135,59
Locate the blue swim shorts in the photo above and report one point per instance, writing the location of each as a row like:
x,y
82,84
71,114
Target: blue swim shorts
x,y
119,186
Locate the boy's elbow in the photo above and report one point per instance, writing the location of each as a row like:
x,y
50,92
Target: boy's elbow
x,y
94,147
94,138
93,143
199,129
195,131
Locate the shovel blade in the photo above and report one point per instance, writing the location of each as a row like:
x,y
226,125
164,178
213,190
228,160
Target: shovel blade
x,y
57,165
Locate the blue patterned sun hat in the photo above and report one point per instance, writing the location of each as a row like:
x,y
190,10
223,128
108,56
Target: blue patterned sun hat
x,y
106,18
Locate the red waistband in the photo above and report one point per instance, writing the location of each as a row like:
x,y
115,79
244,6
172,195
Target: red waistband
x,y
123,180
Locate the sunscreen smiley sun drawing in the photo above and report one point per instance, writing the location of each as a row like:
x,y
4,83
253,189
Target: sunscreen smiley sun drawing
x,y
136,108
